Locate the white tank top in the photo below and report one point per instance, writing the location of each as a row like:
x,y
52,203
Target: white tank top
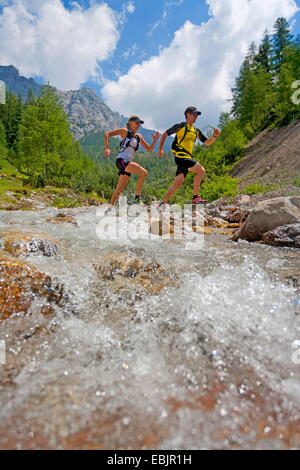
x,y
128,153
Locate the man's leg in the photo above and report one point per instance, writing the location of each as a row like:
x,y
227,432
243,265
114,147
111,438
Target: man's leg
x,y
137,170
122,183
200,172
179,179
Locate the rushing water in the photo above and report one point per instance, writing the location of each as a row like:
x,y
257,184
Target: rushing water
x,y
210,362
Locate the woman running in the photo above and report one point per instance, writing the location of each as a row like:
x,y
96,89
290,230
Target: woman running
x,y
129,145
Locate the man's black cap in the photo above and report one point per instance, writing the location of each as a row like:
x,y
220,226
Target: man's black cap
x,y
192,110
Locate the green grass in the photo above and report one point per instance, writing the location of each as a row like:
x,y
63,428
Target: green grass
x,y
258,188
64,202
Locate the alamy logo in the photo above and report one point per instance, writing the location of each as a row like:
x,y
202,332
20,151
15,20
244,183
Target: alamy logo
x,y
134,222
296,94
2,352
2,92
296,353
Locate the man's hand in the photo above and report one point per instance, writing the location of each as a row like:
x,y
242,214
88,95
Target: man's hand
x,y
160,153
216,132
107,153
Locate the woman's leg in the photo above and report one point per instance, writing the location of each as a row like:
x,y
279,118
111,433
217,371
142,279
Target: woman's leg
x,y
122,183
137,170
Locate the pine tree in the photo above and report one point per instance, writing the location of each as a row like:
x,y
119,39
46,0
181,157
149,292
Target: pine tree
x,y
264,55
30,98
44,134
281,39
3,144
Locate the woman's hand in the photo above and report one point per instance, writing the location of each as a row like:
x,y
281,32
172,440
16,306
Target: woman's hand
x,y
107,153
155,137
216,132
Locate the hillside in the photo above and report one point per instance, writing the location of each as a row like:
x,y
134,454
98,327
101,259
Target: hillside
x,y
273,157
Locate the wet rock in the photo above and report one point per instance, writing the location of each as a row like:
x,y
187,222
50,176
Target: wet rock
x,y
201,229
17,243
21,284
127,272
220,223
268,215
62,218
213,212
160,227
286,235
228,231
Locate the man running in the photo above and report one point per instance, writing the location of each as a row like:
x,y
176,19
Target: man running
x,y
182,147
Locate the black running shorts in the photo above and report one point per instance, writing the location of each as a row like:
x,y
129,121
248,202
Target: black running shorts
x,y
121,164
183,164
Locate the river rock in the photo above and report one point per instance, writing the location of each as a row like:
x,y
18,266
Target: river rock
x,y
268,215
62,218
126,271
242,199
238,215
17,243
21,284
160,227
202,229
286,235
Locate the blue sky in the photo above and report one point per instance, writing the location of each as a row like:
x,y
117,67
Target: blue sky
x,y
147,57
138,31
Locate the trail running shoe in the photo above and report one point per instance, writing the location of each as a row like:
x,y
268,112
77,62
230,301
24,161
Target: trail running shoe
x,y
198,200
138,202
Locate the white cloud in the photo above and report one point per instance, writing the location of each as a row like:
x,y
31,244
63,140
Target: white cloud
x,y
199,66
131,51
166,9
130,7
43,38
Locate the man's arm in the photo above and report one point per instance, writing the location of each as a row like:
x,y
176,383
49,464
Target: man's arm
x,y
213,138
168,132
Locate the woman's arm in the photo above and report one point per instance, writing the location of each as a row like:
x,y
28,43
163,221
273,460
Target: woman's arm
x,y
161,144
147,147
122,132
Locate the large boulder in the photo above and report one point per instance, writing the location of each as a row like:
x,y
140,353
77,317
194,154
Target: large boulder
x,y
287,235
268,215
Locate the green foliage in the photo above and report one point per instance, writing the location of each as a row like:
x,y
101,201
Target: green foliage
x,y
257,188
3,144
296,182
263,89
218,186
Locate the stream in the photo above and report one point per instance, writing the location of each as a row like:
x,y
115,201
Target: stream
x,y
208,360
